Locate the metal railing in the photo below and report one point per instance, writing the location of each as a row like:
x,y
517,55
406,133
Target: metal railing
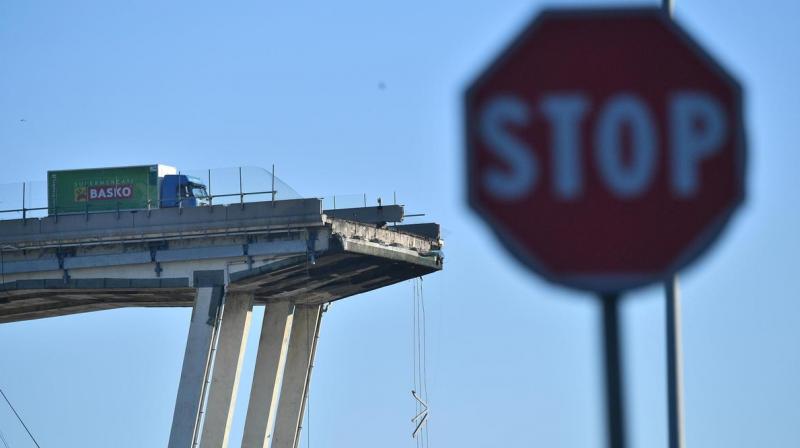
x,y
237,182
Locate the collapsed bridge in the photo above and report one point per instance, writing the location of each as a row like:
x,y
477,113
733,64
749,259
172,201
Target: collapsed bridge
x,y
292,256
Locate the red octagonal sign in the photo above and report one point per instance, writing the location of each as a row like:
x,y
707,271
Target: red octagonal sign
x,y
606,149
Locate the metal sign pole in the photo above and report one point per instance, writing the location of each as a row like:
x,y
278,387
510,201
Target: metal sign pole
x,y
674,365
615,396
674,355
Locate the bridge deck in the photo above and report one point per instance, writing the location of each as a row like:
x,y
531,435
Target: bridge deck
x,y
286,250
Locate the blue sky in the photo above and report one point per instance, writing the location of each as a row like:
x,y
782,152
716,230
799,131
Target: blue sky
x,y
513,361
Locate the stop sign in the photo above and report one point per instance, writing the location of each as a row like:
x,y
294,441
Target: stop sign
x,y
605,148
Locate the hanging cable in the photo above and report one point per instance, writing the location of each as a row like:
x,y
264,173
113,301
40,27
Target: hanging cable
x,y
414,371
419,363
424,353
414,353
19,418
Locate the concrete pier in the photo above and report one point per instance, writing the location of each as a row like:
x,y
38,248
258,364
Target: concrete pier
x,y
273,346
296,376
227,365
195,366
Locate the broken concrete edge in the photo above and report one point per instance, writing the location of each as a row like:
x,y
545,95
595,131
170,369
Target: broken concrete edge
x,y
386,236
432,259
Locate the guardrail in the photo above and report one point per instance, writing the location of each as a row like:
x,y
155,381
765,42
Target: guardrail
x,y
234,182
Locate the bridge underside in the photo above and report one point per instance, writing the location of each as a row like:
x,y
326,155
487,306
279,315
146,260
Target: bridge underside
x,y
332,276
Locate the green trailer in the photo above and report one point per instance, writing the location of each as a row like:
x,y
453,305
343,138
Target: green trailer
x,y
105,189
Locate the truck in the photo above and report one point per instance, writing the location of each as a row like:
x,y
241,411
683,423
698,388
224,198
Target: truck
x,y
122,188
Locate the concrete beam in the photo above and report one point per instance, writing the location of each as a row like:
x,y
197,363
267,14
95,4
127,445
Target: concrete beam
x,y
231,343
195,366
273,346
296,376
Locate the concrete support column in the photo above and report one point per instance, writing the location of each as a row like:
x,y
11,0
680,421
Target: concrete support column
x,y
296,376
231,343
195,366
270,361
